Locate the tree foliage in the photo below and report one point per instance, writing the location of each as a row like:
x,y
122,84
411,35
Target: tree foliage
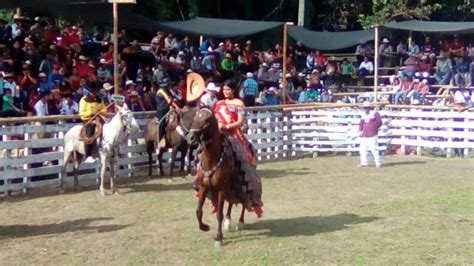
x,y
384,11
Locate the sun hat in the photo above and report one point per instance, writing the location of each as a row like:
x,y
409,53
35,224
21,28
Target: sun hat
x,y
107,86
212,87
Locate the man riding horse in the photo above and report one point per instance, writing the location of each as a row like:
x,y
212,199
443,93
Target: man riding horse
x,y
164,99
90,107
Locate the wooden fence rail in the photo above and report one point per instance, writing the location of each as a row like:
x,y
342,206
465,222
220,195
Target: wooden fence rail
x,y
31,151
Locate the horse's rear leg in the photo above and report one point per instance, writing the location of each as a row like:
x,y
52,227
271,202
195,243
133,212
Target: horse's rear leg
x,y
160,159
202,197
63,171
77,163
228,218
183,152
240,225
220,218
112,176
174,151
149,149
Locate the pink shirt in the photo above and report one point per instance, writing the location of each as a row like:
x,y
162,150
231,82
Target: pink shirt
x,y
369,124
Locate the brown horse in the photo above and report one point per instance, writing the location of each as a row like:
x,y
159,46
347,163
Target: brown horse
x,y
176,130
218,168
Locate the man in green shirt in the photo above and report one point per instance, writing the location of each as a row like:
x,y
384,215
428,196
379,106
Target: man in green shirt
x,y
347,71
8,108
227,67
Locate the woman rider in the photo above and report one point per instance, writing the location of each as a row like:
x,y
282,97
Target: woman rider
x,y
230,117
164,99
89,106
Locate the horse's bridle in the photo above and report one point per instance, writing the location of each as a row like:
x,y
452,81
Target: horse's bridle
x,y
206,124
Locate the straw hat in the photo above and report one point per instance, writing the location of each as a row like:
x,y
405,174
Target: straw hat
x,y
16,16
134,94
82,58
194,87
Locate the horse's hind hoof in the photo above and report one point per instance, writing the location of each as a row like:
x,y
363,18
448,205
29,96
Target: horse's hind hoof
x,y
205,227
218,244
227,224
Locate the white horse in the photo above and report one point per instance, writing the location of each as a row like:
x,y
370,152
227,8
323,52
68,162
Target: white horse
x,y
113,134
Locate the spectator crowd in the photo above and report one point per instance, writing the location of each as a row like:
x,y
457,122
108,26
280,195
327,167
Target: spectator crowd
x,y
46,70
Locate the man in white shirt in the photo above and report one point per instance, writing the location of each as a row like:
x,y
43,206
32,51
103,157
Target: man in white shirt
x,y
69,107
41,107
209,99
16,26
463,99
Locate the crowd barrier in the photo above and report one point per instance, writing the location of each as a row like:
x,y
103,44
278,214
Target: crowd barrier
x,y
31,148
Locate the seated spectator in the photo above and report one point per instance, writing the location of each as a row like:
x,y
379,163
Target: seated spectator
x,y
69,106
405,87
135,103
428,50
83,69
402,52
424,68
320,61
463,71
413,49
463,99
8,107
41,107
418,91
365,68
308,95
9,83
456,47
411,66
310,61
274,75
360,52
444,69
227,67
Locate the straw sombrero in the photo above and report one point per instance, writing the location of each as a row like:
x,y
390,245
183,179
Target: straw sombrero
x,y
194,87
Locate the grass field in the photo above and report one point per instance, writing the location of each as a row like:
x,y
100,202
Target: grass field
x,y
416,210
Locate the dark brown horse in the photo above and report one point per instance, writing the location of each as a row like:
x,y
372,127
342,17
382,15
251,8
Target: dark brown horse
x,y
218,167
176,130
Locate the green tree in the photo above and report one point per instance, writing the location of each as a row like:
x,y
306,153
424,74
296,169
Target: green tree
x,y
385,11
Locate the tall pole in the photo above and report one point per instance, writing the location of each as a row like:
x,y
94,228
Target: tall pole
x,y
115,40
301,10
283,74
376,62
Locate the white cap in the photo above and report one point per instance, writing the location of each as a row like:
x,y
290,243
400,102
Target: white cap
x,y
221,44
212,87
288,75
301,74
276,65
103,61
385,40
129,82
249,75
180,53
249,42
272,89
172,59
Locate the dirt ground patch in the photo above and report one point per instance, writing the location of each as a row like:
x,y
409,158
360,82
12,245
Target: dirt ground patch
x,y
417,210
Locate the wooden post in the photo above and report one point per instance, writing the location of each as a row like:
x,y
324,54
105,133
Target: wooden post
x,y
410,37
376,62
283,73
115,40
201,39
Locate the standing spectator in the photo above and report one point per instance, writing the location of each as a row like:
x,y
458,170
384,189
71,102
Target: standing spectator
x,y
299,55
250,90
429,50
401,52
348,71
385,52
41,107
82,66
444,69
368,128
158,74
17,26
360,52
103,72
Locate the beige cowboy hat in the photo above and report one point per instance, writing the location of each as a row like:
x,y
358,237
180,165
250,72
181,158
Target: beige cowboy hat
x,y
195,87
107,86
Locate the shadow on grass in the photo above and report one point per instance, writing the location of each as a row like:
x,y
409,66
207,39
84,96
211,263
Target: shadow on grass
x,y
403,163
24,230
277,173
154,187
308,226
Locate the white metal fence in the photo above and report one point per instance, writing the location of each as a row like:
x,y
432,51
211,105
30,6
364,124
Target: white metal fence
x,y
32,151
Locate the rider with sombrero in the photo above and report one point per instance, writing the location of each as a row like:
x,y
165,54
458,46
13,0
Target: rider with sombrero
x,y
164,100
90,106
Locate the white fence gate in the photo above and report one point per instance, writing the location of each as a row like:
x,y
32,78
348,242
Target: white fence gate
x,y
31,151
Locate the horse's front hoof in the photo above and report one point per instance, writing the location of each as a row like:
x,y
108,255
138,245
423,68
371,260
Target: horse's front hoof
x,y
102,192
239,226
218,244
227,224
204,227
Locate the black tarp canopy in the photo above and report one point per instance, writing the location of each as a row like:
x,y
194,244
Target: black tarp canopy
x,y
322,40
51,4
433,26
220,28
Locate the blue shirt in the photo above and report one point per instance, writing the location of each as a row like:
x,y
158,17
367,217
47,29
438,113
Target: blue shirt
x,y
250,87
271,99
45,86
